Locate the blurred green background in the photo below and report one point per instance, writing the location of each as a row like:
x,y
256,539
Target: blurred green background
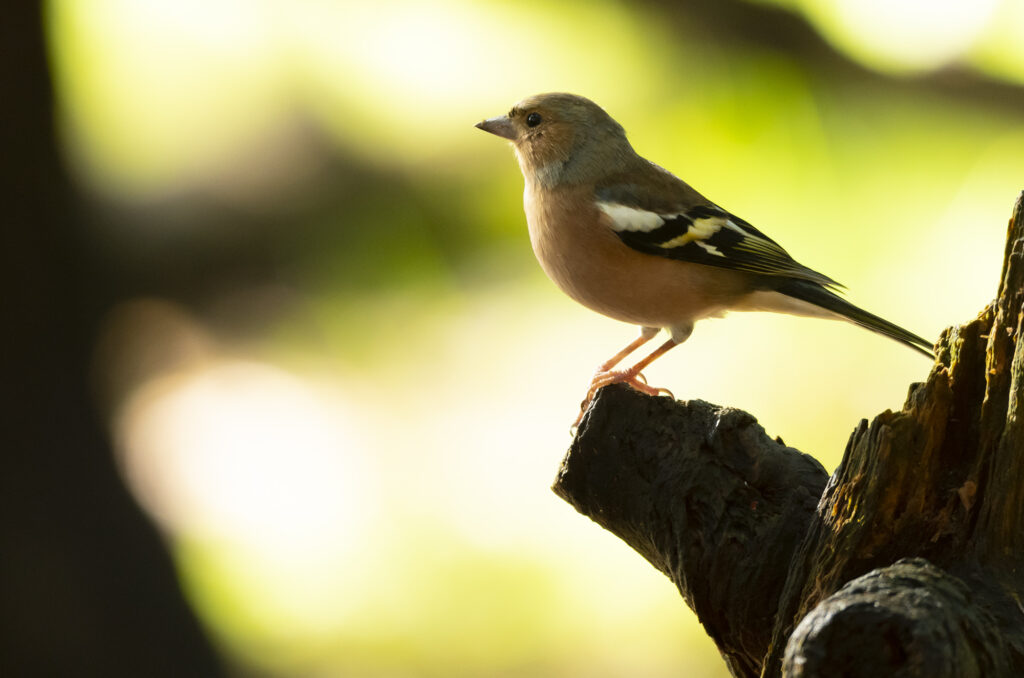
x,y
336,378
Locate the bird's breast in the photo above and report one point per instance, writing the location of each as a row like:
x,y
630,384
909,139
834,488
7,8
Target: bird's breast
x,y
579,251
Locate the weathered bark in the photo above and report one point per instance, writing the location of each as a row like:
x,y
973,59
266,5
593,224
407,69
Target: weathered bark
x,y
794,577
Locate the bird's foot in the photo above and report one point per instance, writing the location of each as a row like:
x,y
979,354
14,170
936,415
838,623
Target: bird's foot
x,y
631,377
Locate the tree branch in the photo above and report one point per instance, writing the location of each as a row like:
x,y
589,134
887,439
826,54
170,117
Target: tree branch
x,y
704,495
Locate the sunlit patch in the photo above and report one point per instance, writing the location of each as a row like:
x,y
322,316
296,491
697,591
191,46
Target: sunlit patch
x,y
154,92
904,35
1001,51
400,76
426,51
246,453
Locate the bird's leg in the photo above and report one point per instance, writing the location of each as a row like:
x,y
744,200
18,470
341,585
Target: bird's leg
x,y
630,377
646,334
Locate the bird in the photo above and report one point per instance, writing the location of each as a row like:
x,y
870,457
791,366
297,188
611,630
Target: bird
x,y
630,240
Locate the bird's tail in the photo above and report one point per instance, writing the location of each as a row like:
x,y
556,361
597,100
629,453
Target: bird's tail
x,y
813,293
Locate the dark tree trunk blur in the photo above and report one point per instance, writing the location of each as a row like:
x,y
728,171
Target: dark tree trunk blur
x,y
908,561
86,585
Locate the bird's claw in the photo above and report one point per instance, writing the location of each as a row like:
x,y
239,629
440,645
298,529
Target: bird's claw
x,y
634,380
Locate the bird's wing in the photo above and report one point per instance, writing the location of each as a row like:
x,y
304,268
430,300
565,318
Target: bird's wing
x,y
702,234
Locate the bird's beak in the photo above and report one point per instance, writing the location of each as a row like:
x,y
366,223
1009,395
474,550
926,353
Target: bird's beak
x,y
500,126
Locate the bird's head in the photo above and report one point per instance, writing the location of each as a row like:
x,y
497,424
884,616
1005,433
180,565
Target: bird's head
x,y
562,138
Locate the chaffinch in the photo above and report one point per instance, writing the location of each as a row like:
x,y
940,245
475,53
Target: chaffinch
x,y
628,239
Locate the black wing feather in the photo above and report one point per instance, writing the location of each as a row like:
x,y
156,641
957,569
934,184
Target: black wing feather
x,y
707,234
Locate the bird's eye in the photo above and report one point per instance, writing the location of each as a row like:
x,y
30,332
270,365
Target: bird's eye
x,y
533,119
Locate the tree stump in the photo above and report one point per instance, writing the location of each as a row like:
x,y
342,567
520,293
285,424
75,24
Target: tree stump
x,y
908,561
